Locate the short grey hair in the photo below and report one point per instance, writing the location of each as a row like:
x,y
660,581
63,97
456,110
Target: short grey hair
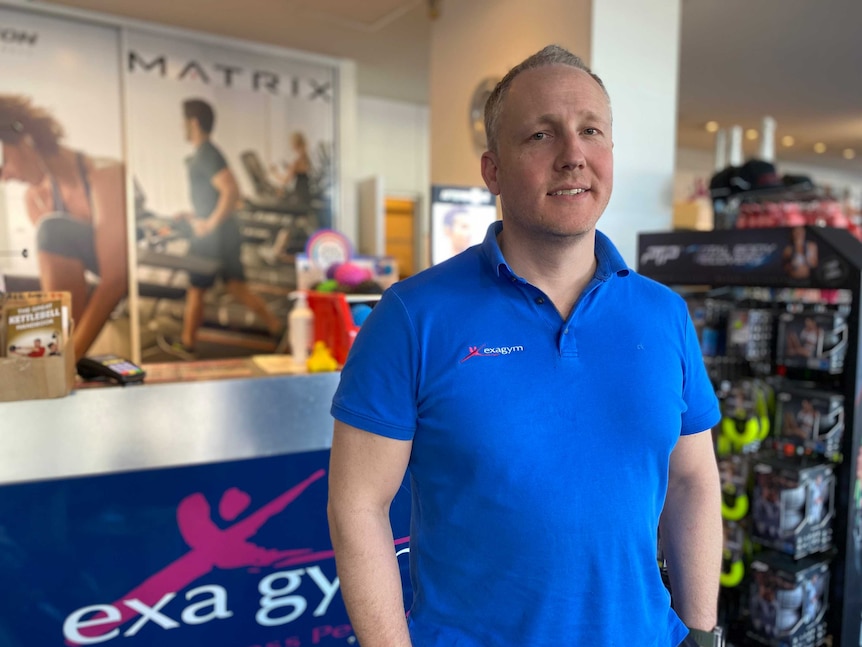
x,y
550,55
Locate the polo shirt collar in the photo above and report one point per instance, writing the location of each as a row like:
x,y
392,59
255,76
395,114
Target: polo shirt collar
x,y
609,260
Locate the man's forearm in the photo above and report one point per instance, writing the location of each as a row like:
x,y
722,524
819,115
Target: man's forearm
x,y
691,536
370,578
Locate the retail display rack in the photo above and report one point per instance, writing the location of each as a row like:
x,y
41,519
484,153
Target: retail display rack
x,y
777,311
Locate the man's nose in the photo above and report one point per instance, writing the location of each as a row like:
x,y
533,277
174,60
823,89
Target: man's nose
x,y
571,153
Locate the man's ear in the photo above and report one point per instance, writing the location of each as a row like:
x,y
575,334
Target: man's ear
x,y
489,171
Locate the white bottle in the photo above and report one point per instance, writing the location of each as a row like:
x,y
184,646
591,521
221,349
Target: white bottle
x,y
300,326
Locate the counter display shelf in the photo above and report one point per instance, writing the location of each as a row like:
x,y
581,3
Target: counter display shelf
x,y
775,286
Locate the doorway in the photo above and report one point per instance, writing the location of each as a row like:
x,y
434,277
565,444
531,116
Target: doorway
x,y
400,238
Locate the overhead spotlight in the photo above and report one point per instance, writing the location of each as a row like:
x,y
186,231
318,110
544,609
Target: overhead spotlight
x,y
751,134
819,148
711,126
849,153
787,141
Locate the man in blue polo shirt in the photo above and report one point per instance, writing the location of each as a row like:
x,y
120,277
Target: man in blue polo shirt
x,y
550,406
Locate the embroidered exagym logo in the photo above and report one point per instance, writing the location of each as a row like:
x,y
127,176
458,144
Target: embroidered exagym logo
x,y
481,351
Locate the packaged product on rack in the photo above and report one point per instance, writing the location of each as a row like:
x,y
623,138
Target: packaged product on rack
x,y
808,421
814,340
788,600
746,416
793,505
749,333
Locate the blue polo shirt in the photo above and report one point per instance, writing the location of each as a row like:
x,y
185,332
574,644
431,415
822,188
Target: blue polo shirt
x,y
540,447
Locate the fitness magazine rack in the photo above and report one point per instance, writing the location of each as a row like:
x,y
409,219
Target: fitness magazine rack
x,y
755,262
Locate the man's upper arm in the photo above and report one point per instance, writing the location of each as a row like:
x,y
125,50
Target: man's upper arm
x,y
693,459
365,469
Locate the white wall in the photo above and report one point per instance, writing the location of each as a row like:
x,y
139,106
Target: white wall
x,y
392,139
635,49
393,142
476,39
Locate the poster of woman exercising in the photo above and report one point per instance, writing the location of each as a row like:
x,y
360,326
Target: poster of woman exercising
x,y
62,176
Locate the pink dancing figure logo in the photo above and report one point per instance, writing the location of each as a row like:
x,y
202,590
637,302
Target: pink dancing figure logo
x,y
211,547
475,351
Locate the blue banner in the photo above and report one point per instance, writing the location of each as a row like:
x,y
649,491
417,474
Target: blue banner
x,y
232,554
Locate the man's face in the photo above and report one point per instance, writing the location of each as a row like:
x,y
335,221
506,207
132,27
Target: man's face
x,y
553,169
189,127
461,232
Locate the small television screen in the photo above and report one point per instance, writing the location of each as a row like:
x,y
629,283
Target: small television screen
x,y
459,219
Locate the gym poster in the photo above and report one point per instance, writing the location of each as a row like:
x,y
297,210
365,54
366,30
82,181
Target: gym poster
x,y
62,194
72,100
273,124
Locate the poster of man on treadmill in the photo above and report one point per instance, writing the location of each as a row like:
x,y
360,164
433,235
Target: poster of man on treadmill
x,y
62,183
231,153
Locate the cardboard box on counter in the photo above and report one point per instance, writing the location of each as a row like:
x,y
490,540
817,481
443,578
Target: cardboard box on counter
x,y
22,378
44,366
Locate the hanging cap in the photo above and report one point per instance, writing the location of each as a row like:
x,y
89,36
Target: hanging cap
x,y
760,174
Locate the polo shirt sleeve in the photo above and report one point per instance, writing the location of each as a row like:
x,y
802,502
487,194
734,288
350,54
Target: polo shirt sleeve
x,y
378,386
211,161
702,411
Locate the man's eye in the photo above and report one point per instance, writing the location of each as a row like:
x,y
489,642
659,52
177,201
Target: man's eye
x,y
591,131
538,136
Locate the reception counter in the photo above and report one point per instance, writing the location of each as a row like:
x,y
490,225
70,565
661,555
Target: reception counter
x,y
172,514
113,429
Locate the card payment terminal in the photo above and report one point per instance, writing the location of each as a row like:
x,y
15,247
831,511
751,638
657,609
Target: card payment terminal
x,y
110,367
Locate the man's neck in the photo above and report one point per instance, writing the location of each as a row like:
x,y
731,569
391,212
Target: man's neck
x,y
560,267
198,139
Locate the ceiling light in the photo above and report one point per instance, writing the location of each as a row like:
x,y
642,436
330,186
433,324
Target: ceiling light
x,y
849,153
751,133
711,126
788,141
819,148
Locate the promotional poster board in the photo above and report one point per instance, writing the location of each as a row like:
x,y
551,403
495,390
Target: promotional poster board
x,y
459,218
274,127
772,256
235,554
62,195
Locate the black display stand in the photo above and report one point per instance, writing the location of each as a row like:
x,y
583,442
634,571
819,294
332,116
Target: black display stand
x,y
759,258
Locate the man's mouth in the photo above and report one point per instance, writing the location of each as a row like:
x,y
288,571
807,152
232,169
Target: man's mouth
x,y
568,192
